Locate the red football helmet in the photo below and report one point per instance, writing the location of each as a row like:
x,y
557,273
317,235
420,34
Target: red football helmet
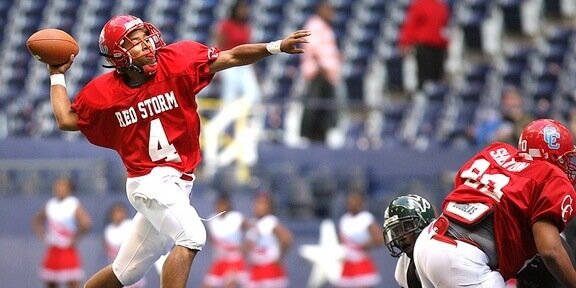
x,y
550,140
114,34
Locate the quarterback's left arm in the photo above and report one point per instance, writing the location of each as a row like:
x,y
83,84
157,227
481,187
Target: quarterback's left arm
x,y
250,53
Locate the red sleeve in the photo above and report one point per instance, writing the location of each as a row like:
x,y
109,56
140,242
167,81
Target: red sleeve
x,y
200,57
555,202
90,121
210,54
84,113
81,109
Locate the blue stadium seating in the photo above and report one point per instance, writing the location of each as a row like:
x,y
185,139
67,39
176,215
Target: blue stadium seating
x,y
367,30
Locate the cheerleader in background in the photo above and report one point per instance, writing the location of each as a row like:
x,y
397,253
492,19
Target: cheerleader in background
x,y
359,233
60,224
268,242
225,234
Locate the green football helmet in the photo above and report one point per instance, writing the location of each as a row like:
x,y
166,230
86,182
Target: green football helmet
x,y
404,219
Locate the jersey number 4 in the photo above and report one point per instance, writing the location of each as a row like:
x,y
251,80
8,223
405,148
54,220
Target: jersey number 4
x,y
158,146
489,184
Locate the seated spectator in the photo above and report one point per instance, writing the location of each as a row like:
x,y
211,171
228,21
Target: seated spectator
x,y
514,116
506,124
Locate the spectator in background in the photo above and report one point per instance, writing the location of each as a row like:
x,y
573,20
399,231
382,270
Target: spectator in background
x,y
225,233
504,124
268,242
321,68
514,116
60,224
424,31
235,30
118,225
359,233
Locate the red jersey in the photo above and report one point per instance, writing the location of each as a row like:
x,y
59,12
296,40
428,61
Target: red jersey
x,y
425,24
155,124
520,191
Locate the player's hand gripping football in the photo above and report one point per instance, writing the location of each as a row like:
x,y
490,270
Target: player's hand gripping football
x,y
60,69
290,43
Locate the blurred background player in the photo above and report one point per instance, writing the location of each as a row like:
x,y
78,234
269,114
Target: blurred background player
x,y
159,144
60,224
226,235
233,31
508,204
268,242
117,228
359,233
404,219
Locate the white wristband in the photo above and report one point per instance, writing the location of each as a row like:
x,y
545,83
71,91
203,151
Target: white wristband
x,y
57,79
274,47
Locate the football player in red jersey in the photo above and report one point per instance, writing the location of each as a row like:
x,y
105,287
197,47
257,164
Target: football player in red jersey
x,y
508,205
146,111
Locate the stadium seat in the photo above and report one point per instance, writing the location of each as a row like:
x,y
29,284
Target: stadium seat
x,y
512,15
552,8
395,71
472,27
478,74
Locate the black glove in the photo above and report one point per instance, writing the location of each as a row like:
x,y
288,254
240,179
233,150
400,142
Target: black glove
x,y
536,275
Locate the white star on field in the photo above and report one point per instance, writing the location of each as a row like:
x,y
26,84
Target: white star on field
x,y
326,256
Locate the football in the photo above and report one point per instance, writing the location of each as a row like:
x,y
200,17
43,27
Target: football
x,y
52,46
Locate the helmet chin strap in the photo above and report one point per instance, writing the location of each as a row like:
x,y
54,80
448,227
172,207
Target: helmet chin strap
x,y
135,83
135,68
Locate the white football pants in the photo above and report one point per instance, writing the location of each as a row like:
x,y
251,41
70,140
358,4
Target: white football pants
x,y
165,218
443,265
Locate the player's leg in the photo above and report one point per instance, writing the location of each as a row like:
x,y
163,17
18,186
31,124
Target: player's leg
x,y
180,222
143,246
104,278
177,267
163,198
